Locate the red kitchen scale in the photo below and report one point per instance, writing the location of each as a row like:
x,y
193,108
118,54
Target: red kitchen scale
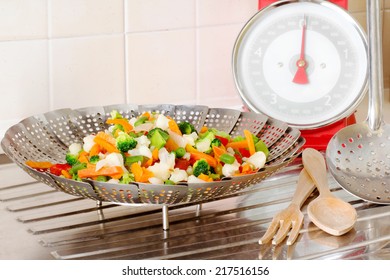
x,y
304,63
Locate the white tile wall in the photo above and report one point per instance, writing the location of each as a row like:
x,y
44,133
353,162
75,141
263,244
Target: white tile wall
x,y
77,53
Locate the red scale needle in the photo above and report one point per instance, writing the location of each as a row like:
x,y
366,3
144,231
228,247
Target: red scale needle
x,y
301,75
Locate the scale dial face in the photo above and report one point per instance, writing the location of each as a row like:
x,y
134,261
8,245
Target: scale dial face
x,y
302,63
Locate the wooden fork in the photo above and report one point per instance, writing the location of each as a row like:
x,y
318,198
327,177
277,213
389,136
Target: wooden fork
x,y
291,217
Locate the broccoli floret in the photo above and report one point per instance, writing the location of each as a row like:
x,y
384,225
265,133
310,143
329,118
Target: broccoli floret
x,y
186,128
94,159
71,159
115,115
216,142
201,166
158,137
125,142
127,178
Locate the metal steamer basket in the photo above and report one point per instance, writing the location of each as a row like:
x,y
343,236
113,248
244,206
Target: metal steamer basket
x,y
47,137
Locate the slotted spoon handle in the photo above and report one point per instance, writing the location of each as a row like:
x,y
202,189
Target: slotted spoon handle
x,y
315,165
375,67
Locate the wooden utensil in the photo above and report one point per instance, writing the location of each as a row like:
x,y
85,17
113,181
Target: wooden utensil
x,y
291,217
327,212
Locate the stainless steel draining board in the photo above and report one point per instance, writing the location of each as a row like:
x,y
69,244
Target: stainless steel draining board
x,y
38,222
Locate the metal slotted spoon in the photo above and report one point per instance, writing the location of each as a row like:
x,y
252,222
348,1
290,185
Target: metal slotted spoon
x,y
358,156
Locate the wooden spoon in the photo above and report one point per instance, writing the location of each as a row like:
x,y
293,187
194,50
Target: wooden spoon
x,y
327,212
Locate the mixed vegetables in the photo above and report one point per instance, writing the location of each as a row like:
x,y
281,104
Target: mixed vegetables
x,y
154,148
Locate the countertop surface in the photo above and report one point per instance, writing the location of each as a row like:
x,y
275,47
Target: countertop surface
x,y
38,222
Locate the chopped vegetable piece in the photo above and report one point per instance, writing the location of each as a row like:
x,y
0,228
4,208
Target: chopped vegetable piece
x,y
158,137
182,164
227,158
180,152
141,120
242,144
94,159
173,126
201,167
199,155
71,159
111,171
249,139
127,127
124,142
141,174
260,146
38,164
186,127
132,159
57,169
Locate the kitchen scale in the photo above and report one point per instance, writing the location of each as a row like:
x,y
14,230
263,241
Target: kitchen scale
x,y
304,63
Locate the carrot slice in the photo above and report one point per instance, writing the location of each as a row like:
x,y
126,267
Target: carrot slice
x,y
205,177
171,145
83,157
106,137
66,174
106,145
174,127
203,129
218,151
238,145
123,122
39,164
141,174
111,171
95,150
249,140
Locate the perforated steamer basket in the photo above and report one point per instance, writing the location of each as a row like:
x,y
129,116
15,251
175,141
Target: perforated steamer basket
x,y
47,137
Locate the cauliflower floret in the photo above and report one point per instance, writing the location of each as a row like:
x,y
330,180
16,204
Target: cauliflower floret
x,y
194,179
75,148
155,181
162,122
258,160
165,166
88,142
167,158
178,139
144,127
113,159
178,175
204,145
191,138
141,151
142,141
113,181
229,170
187,156
160,171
